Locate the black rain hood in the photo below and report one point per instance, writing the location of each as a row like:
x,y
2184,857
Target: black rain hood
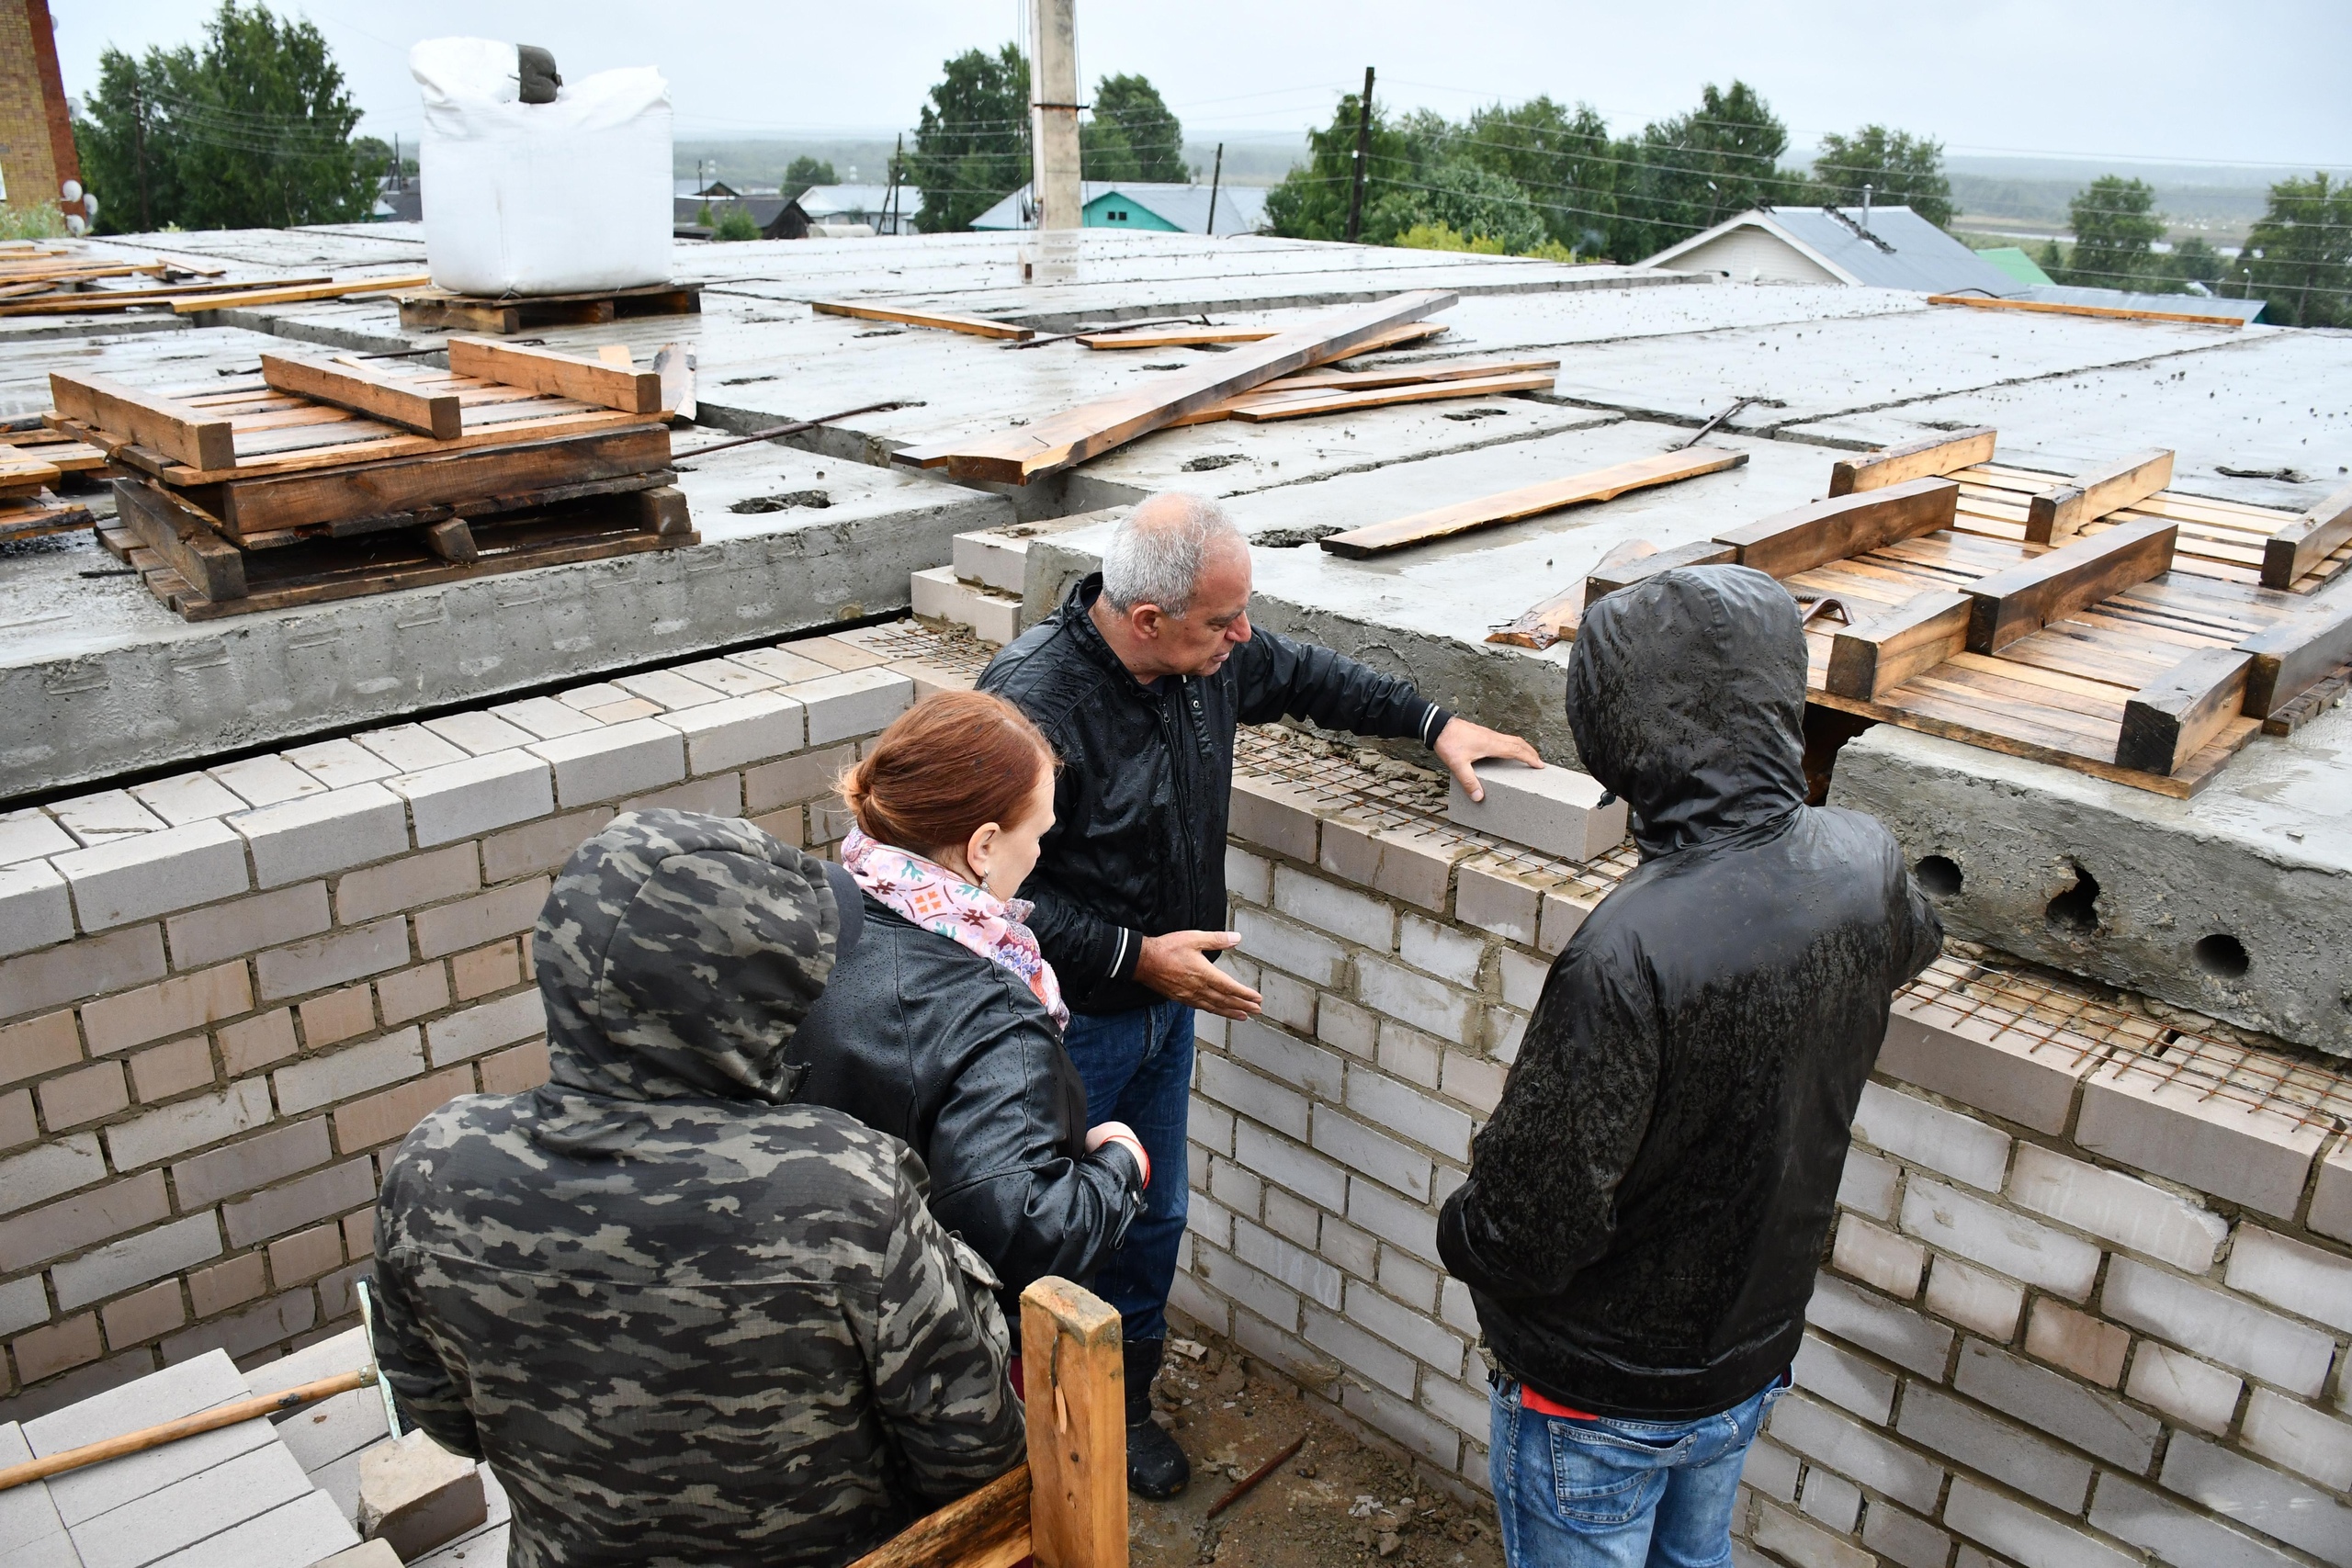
x,y
678,954
1686,694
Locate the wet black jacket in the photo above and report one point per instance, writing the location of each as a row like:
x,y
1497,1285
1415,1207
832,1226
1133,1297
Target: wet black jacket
x,y
1647,1206
920,1037
1138,845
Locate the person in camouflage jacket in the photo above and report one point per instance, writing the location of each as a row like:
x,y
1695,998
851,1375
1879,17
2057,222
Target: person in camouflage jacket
x,y
685,1320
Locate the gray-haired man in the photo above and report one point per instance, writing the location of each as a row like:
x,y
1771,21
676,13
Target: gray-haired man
x,y
1139,680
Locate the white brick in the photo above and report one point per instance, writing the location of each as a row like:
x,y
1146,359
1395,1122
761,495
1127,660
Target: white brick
x,y
134,1261
1834,1500
2096,1423
1771,1469
990,558
543,717
1462,1406
1850,1449
51,1170
1404,1328
618,760
1971,1297
667,688
1443,951
2256,1155
2025,1534
333,959
265,781
1342,911
23,1302
1844,1379
1879,1325
1409,1113
1362,1149
478,1029
313,835
1948,1219
1246,876
2229,1331
2258,1497
475,795
338,764
1410,1225
1280,1160
1477,1084
1360,1351
1242,1091
188,1123
1261,1293
1409,1054
2147,1518
1286,1056
938,594
1310,955
34,907
410,747
137,878
2300,1438
1301,1271
1523,979
1958,1147
735,730
855,702
1554,809
1878,1257
29,835
478,734
1866,1184
1792,1539
1352,1029
2189,1391
320,1080
1430,1006
187,797
1209,1126
2128,1212
2304,1279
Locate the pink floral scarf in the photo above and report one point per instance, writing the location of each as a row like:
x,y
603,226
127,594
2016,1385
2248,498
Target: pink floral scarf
x,y
938,900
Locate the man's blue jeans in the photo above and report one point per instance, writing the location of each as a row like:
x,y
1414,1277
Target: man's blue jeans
x,y
1600,1492
1137,1068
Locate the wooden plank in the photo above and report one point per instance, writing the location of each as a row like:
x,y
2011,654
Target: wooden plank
x,y
1260,410
2058,515
31,517
975,326
1866,661
1851,525
282,294
543,370
2048,307
1930,457
1606,581
24,472
2306,541
1405,374
2173,718
163,424
1050,444
987,1528
395,400
2028,596
96,301
371,443
1532,501
1071,1362
215,567
375,490
2292,658
1184,337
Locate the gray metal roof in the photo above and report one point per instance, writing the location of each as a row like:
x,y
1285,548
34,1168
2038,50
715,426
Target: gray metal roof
x,y
1910,252
1241,209
2157,304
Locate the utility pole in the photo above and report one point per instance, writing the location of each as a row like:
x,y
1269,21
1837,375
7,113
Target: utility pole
x,y
1216,175
1053,127
890,203
1364,152
139,147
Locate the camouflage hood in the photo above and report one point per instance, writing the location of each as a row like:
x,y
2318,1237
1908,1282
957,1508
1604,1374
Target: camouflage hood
x,y
677,955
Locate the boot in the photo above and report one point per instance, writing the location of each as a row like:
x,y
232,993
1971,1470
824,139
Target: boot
x,y
1156,1466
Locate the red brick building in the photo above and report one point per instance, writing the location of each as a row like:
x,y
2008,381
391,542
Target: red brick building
x,y
36,132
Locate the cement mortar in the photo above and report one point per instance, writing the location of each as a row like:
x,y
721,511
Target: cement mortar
x,y
2262,856
97,680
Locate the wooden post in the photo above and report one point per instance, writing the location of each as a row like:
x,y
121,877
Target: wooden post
x,y
1053,77
1071,1361
1364,156
1216,175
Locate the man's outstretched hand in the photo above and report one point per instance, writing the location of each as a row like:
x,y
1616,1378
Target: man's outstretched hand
x,y
1462,743
1177,966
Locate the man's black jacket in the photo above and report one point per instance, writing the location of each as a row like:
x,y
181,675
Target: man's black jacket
x,y
1646,1208
1138,845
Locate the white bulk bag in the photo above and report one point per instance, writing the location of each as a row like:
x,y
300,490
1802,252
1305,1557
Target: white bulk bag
x,y
541,198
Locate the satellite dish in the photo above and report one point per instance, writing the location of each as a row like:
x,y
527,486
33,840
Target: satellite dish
x,y
89,205
75,224
72,190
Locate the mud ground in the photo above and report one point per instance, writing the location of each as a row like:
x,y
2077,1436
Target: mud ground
x,y
1337,1503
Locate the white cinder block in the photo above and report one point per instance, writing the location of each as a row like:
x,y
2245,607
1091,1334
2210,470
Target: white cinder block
x,y
153,873
465,798
855,702
2126,1211
2304,1279
34,907
992,558
729,732
1944,1141
1948,1219
314,834
940,595
2235,1333
1554,809
620,759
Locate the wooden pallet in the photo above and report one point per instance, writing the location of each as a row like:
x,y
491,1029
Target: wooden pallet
x,y
33,516
179,566
437,310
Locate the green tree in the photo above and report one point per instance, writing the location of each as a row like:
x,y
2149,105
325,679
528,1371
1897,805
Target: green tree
x,y
2113,230
1561,158
737,225
1489,210
375,153
1311,202
1133,133
253,131
972,143
1900,169
2194,260
1694,170
804,171
2299,256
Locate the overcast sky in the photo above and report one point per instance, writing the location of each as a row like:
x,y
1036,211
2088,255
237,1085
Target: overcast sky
x,y
2260,81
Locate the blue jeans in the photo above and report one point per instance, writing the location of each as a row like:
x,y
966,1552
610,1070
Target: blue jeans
x,y
1609,1493
1137,1068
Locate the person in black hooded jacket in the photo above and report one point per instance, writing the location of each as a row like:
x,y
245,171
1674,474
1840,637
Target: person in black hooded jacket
x,y
1645,1208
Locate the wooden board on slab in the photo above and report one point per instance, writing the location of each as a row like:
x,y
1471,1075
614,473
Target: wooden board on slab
x,y
2057,514
181,431
1418,373
1872,657
2052,308
284,294
1310,402
1531,500
2176,717
946,321
394,399
2051,586
1851,525
209,563
559,375
34,516
1930,457
437,310
2306,541
2293,657
1047,445
79,302
24,473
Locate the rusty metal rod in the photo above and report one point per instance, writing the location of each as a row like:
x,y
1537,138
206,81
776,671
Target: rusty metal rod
x,y
1241,1487
793,429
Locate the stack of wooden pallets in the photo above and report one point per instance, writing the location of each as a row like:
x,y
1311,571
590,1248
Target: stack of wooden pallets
x,y
325,479
43,279
433,310
30,475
